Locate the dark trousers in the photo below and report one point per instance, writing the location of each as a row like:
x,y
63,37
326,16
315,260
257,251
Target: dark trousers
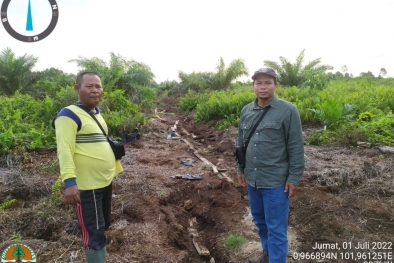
x,y
94,216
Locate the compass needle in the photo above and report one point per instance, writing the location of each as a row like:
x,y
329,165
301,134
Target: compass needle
x,y
29,23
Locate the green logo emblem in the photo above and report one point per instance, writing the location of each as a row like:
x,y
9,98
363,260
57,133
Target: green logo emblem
x,y
18,253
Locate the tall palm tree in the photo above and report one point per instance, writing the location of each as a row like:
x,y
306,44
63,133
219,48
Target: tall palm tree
x,y
15,72
135,78
221,79
118,73
225,75
292,74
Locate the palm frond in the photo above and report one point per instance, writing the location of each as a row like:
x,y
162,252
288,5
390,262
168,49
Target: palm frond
x,y
290,74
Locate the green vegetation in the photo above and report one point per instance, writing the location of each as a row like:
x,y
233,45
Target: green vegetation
x,y
29,100
15,72
134,78
296,74
234,241
350,108
56,191
7,203
16,236
198,82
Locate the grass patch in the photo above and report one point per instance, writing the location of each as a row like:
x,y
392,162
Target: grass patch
x,y
234,241
7,203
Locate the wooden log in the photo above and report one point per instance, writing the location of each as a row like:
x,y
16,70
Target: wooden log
x,y
227,177
382,148
385,149
201,249
188,143
185,131
214,168
193,232
219,172
158,117
364,144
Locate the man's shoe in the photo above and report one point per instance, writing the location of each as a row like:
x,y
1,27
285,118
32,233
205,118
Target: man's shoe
x,y
261,259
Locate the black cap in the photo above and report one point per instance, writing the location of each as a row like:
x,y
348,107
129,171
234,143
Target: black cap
x,y
266,71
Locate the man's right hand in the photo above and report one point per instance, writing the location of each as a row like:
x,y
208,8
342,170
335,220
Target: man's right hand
x,y
71,195
241,180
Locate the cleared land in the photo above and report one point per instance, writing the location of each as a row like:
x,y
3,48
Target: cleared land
x,y
346,195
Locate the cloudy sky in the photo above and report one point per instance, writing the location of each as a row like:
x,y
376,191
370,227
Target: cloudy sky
x,y
173,35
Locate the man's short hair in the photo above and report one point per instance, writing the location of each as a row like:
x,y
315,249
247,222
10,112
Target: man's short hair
x,y
80,76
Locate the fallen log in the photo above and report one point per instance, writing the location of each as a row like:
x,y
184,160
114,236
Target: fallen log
x,y
214,168
219,172
201,249
158,117
382,148
385,149
364,144
188,143
227,177
185,131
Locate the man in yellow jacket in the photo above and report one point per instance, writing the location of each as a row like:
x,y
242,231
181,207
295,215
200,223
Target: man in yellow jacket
x,y
87,165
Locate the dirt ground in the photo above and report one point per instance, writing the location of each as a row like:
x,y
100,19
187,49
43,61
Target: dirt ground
x,y
345,198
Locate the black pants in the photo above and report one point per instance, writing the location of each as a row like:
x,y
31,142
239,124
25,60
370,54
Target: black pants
x,y
94,216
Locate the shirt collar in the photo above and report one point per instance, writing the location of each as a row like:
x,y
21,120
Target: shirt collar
x,y
97,109
273,103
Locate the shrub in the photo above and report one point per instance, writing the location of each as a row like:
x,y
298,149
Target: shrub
x,y
329,112
190,101
66,96
316,80
120,114
234,241
56,191
7,203
318,138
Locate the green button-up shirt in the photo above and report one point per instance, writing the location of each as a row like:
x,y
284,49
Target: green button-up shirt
x,y
275,154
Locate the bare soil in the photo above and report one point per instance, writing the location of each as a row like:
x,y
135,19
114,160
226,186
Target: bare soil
x,y
346,197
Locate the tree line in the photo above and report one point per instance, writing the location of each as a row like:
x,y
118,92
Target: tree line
x,y
136,78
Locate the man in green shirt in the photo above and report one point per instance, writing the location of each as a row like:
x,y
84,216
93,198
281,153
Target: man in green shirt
x,y
274,163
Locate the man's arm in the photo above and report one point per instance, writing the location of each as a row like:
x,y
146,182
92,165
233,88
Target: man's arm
x,y
295,147
240,142
66,130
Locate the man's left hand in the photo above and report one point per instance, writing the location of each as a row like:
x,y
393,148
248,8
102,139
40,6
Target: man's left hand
x,y
291,188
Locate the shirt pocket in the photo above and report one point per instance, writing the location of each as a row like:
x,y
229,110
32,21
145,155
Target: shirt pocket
x,y
271,131
246,128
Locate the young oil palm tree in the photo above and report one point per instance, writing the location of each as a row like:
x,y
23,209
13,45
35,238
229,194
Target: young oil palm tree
x,y
15,72
292,74
225,75
118,72
135,78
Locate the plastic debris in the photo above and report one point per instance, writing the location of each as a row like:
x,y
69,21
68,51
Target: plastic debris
x,y
186,162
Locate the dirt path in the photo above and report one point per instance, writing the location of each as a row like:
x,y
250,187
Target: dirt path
x,y
346,195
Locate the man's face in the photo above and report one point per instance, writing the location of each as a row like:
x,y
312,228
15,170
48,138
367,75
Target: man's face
x,y
90,90
264,87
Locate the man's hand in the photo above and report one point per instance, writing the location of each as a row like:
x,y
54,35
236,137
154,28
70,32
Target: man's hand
x,y
291,188
71,195
241,180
